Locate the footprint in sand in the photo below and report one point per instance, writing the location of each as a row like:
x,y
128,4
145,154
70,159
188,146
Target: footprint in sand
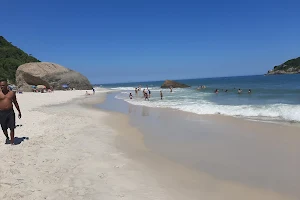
x,y
116,154
14,171
78,183
119,166
120,195
102,175
77,170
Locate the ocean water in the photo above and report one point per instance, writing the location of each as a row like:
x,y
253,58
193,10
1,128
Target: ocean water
x,y
273,98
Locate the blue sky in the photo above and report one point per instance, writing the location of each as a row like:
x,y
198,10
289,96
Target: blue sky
x,y
124,40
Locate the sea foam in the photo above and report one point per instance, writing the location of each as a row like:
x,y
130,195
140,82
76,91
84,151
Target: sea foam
x,y
200,105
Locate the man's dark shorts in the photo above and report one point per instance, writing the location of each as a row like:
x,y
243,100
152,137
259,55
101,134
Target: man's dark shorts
x,y
7,119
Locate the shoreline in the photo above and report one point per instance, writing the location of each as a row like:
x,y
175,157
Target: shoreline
x,y
233,132
264,103
75,151
261,119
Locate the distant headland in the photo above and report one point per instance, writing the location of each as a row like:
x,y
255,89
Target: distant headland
x,y
289,67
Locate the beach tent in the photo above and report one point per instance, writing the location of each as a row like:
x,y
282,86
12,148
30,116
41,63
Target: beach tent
x,y
12,87
40,87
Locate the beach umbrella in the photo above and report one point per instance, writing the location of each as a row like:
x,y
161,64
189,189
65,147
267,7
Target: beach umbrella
x,y
12,87
40,86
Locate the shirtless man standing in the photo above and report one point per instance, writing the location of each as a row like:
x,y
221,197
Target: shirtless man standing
x,y
7,114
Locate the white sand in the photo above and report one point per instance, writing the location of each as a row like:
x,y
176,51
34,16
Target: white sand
x,y
71,154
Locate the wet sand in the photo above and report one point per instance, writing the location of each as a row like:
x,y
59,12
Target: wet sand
x,y
258,155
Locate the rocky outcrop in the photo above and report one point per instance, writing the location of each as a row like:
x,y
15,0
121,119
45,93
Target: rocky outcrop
x,y
174,84
289,67
277,72
50,75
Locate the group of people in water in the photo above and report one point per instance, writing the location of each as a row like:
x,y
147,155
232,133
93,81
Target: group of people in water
x,y
239,91
147,93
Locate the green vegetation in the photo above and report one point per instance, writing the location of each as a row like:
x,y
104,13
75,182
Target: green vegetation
x,y
293,65
11,57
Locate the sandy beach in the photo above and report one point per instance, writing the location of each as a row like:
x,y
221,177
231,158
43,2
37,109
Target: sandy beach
x,y
67,149
68,154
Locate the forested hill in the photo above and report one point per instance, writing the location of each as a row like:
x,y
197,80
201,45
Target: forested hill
x,y
289,67
11,57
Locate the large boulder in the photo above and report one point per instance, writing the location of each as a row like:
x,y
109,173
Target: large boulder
x,y
50,75
174,84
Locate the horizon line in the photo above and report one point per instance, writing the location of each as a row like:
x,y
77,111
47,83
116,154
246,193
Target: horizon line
x,y
174,79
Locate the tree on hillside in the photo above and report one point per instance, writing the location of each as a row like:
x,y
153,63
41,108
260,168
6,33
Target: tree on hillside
x,y
11,57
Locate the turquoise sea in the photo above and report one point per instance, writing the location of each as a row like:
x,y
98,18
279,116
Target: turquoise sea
x,y
273,98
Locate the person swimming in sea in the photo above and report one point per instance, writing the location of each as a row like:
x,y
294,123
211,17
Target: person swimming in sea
x,y
161,95
146,96
149,93
136,90
226,90
171,88
249,91
130,95
240,91
216,91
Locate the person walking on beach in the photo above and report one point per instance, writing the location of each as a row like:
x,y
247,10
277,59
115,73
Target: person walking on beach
x,y
7,114
93,90
161,95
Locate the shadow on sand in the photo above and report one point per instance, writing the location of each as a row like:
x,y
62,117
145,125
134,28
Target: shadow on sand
x,y
18,140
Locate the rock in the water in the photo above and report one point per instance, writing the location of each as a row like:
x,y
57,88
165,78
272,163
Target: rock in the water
x,y
174,84
50,75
